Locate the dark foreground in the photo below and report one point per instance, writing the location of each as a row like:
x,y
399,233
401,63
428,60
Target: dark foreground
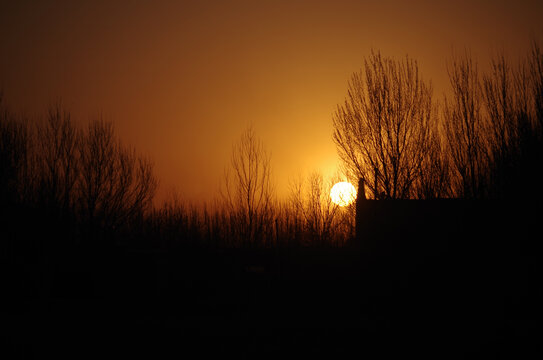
x,y
260,305
456,301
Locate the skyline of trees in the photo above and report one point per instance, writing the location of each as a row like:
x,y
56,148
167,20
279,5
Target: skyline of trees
x,y
482,142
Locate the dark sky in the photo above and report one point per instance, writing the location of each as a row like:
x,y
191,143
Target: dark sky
x,y
182,80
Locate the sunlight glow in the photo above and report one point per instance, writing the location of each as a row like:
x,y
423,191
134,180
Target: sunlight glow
x,y
343,193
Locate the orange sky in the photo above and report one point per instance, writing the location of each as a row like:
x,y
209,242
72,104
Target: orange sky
x,y
182,80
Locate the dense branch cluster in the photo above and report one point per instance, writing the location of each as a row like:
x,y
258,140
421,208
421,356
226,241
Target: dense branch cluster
x,y
484,143
384,124
84,177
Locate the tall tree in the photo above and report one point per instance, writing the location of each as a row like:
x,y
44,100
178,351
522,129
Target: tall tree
x,y
465,129
14,156
512,102
57,160
116,185
248,190
381,130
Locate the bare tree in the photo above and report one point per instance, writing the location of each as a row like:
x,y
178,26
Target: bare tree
x,y
14,156
512,100
320,220
536,73
248,191
116,185
465,127
433,179
534,147
382,128
502,88
498,92
319,212
57,160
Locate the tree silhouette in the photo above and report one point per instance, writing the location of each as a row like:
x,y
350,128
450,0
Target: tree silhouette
x,y
311,202
382,130
14,157
464,127
535,64
116,185
512,98
248,191
57,161
493,128
433,178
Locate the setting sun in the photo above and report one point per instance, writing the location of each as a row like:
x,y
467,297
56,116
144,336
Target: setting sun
x,y
343,193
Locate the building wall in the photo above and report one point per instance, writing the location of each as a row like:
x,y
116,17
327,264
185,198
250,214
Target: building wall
x,y
432,227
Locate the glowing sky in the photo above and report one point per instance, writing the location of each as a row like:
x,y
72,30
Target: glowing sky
x,y
182,80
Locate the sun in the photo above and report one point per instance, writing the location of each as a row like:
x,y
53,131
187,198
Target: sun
x,y
343,193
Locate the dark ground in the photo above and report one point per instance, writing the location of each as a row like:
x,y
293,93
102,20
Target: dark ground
x,y
377,302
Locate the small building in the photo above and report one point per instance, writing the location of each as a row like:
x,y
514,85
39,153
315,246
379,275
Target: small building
x,y
437,226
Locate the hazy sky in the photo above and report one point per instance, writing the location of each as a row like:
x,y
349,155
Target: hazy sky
x,y
183,79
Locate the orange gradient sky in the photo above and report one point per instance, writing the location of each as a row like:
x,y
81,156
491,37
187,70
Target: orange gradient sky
x,y
181,80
